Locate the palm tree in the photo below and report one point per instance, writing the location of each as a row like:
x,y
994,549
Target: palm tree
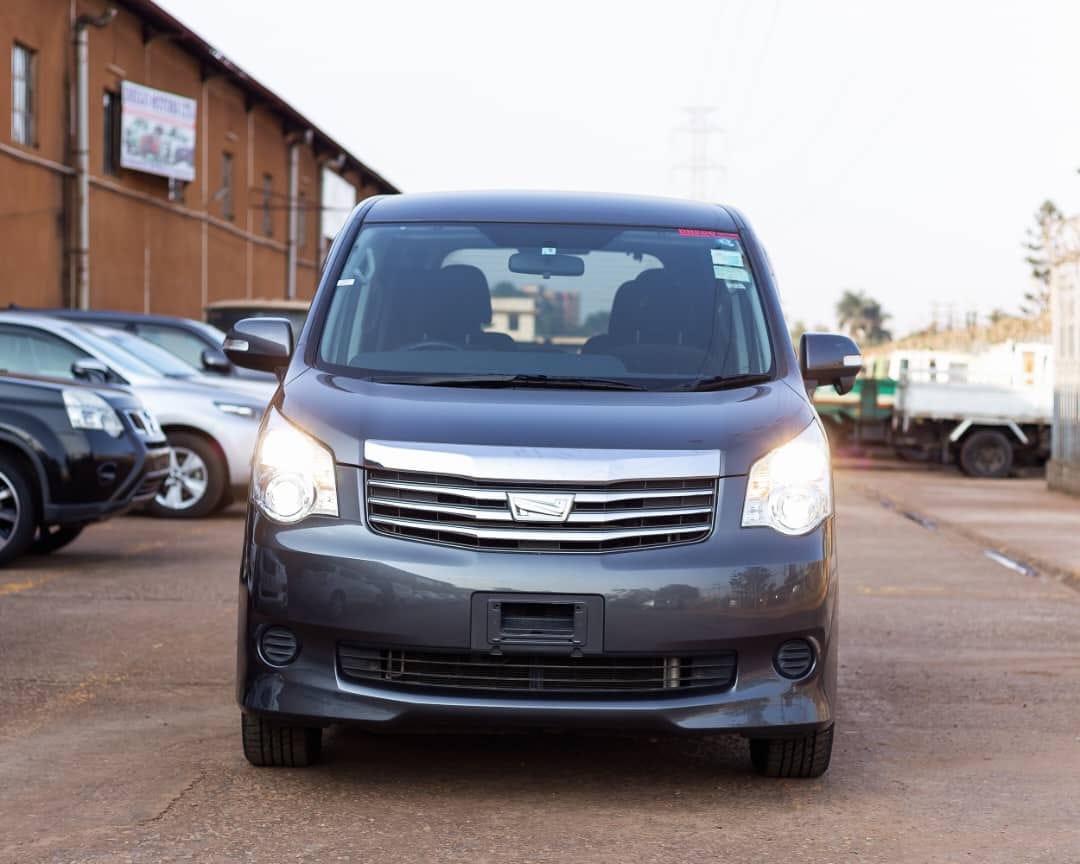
x,y
863,318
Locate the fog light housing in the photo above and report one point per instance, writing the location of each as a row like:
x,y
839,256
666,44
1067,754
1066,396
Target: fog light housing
x,y
794,658
278,646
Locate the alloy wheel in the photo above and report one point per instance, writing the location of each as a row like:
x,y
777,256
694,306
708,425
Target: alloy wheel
x,y
9,509
186,484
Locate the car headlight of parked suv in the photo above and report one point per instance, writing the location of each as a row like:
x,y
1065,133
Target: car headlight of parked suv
x,y
87,410
293,474
790,488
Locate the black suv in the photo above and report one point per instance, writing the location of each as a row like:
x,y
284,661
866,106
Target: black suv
x,y
71,454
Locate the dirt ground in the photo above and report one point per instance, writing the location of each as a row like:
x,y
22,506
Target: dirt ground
x,y
958,729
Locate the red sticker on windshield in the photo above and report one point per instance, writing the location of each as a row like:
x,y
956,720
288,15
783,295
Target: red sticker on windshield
x,y
698,232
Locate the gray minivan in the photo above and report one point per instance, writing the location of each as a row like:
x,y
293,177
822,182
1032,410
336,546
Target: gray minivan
x,y
542,460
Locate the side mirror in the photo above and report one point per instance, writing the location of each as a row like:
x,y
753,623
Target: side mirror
x,y
214,360
829,358
90,369
265,344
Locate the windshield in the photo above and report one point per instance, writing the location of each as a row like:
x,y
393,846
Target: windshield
x,y
162,362
121,361
652,308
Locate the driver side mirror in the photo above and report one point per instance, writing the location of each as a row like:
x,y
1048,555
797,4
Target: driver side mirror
x,y
90,369
214,360
829,358
265,344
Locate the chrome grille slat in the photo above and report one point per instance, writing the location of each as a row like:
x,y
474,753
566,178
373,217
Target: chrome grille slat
x,y
458,511
583,517
540,534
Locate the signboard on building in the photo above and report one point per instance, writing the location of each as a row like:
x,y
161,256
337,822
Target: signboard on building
x,y
157,132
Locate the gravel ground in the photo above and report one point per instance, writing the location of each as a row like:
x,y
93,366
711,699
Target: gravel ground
x,y
958,729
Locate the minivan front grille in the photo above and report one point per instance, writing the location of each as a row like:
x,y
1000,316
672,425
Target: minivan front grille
x,y
592,675
609,517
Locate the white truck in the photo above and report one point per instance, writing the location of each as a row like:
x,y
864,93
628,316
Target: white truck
x,y
985,411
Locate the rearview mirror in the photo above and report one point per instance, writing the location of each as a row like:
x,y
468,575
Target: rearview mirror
x,y
214,360
829,358
540,264
265,344
90,369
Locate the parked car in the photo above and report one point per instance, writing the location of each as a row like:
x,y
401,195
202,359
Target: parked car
x,y
632,528
195,342
170,366
210,429
222,314
70,454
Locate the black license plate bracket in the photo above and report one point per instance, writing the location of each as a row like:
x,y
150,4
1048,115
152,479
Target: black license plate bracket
x,y
538,623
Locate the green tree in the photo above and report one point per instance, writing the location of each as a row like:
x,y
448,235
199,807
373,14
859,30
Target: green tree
x,y
1037,244
863,318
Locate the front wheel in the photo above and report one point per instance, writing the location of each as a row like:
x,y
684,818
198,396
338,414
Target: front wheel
x,y
801,757
196,484
16,511
277,745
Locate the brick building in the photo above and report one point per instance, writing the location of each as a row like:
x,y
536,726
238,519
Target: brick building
x,y
245,222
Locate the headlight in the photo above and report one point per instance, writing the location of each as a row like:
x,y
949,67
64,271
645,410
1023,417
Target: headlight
x,y
293,475
790,489
238,410
87,410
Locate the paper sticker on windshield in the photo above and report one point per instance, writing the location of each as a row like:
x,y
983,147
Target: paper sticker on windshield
x,y
345,282
727,257
732,274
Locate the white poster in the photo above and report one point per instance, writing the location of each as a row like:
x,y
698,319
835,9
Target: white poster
x,y
158,132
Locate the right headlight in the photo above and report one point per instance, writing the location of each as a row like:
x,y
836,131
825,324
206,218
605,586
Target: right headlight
x,y
790,488
87,410
293,474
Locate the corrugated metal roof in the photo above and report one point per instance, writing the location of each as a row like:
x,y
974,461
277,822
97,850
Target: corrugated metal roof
x,y
157,19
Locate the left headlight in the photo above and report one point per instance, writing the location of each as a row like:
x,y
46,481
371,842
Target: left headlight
x,y
790,488
87,410
293,475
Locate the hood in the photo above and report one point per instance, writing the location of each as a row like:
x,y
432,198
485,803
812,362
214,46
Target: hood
x,y
742,424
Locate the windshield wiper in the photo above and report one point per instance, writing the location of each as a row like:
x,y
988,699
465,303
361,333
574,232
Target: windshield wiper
x,y
553,381
724,382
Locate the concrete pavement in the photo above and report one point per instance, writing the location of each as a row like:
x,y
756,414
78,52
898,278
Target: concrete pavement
x,y
1017,517
958,730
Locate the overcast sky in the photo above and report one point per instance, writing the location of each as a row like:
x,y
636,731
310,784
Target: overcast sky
x,y
899,148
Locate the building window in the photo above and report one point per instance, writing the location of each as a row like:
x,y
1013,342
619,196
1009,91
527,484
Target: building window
x,y
110,150
513,322
267,215
226,191
301,222
23,69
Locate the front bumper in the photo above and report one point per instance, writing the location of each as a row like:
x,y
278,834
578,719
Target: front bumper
x,y
743,590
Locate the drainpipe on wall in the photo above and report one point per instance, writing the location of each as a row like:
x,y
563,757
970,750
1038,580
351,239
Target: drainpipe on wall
x,y
82,151
294,216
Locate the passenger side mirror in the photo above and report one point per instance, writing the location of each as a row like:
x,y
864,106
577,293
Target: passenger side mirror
x,y
829,358
265,344
90,369
214,360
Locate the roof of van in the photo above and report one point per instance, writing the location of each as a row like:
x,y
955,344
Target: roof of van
x,y
567,207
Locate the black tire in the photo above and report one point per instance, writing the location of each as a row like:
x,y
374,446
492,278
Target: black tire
x,y
17,523
986,453
276,745
52,537
216,483
807,756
